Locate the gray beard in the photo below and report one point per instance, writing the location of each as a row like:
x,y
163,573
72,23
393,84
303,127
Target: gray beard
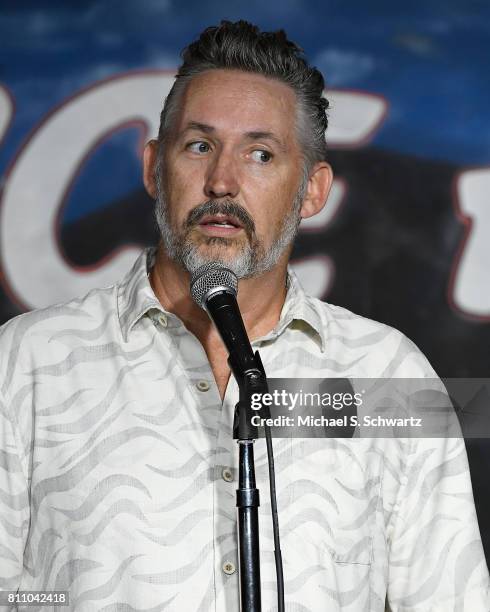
x,y
252,260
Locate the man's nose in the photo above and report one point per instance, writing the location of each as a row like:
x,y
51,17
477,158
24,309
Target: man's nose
x,y
222,179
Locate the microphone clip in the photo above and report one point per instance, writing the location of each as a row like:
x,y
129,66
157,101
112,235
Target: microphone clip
x,y
251,381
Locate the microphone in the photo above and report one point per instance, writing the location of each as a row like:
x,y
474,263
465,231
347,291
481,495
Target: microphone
x,y
214,288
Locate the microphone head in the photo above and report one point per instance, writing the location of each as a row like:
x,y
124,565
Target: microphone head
x,y
211,278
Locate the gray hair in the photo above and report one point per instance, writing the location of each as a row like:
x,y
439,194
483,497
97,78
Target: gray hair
x,y
242,46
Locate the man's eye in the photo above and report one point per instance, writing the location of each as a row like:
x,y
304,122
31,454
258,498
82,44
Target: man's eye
x,y
262,156
198,147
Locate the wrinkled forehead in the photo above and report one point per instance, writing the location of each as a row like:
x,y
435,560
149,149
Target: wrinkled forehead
x,y
235,103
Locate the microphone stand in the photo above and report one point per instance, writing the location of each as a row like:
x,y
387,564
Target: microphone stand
x,y
250,381
250,375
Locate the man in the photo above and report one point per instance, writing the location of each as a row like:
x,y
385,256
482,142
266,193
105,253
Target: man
x,y
118,470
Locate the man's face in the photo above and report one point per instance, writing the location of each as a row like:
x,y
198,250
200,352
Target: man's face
x,y
230,182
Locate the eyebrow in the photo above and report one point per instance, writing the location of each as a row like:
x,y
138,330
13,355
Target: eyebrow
x,y
201,127
253,135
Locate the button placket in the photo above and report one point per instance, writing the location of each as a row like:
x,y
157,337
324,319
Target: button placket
x,y
225,499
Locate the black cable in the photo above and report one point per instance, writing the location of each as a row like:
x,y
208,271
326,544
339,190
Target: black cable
x,y
275,521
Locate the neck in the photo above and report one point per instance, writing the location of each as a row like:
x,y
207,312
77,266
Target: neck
x,y
260,299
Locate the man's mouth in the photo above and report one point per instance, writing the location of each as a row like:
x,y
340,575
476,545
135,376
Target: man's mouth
x,y
220,221
220,225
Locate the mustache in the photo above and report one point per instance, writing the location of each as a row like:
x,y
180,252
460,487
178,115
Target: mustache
x,y
228,207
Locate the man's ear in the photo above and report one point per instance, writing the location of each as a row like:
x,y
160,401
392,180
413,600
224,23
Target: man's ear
x,y
317,190
150,157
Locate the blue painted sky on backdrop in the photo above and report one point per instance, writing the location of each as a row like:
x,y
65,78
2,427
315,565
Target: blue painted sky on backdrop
x,y
429,59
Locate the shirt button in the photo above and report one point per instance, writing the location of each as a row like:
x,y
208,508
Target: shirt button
x,y
161,319
229,568
227,474
203,385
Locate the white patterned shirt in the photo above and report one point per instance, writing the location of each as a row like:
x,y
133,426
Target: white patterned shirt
x,y
118,469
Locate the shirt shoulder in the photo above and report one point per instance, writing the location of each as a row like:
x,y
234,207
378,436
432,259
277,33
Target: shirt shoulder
x,y
381,350
28,339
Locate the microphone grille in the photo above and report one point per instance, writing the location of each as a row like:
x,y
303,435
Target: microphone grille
x,y
210,277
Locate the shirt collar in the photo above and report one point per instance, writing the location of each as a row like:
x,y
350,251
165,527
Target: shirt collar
x,y
135,298
300,308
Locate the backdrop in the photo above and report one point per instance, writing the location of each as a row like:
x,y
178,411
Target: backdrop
x,y
405,236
